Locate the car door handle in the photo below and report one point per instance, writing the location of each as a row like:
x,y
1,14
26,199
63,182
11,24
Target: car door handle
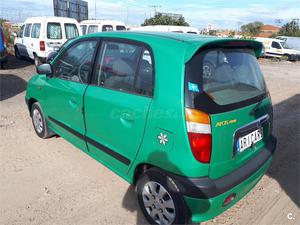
x,y
127,116
73,101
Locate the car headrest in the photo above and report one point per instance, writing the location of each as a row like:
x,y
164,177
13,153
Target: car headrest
x,y
121,68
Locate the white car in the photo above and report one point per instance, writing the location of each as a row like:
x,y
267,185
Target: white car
x,y
278,48
93,26
39,36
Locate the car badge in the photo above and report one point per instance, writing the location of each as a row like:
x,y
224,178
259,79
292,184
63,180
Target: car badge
x,y
162,138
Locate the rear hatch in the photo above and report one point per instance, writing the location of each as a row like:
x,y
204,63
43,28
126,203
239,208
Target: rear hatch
x,y
226,83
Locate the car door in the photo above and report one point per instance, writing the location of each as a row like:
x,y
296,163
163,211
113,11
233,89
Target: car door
x,y
35,41
27,41
276,48
19,41
65,90
117,103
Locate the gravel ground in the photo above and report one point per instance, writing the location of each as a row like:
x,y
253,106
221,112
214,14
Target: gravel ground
x,y
52,182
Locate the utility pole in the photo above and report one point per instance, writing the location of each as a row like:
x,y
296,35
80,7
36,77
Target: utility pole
x,y
155,7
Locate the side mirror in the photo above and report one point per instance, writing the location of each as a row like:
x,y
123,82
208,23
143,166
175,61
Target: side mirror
x,y
44,69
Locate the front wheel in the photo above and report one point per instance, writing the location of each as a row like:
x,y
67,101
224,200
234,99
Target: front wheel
x,y
39,123
160,200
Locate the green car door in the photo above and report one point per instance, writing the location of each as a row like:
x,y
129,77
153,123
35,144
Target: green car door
x,y
65,90
117,102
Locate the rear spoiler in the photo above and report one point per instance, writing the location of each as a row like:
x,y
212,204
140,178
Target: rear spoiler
x,y
224,43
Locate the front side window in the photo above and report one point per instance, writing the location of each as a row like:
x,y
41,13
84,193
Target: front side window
x,y
21,32
54,31
36,28
71,30
120,27
75,63
107,28
124,67
92,29
276,45
27,30
224,76
83,29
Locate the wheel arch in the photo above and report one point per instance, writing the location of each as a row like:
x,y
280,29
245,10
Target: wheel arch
x,y
31,101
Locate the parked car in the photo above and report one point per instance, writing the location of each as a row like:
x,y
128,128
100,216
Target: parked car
x,y
93,26
139,103
3,52
278,48
39,36
167,28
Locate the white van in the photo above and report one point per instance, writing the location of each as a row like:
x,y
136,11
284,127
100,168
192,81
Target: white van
x,y
278,48
39,36
167,28
93,26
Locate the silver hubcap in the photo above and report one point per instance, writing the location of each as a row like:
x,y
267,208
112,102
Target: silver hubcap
x,y
158,203
37,121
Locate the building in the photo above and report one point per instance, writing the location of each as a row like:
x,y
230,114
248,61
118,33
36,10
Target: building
x,y
268,31
76,9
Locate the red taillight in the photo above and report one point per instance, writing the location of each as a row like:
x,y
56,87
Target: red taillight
x,y
199,133
201,146
42,46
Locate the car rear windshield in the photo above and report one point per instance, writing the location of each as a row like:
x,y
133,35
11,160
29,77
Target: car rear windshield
x,y
217,78
54,31
71,30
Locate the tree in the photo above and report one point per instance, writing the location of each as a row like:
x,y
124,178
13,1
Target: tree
x,y
160,19
252,29
290,29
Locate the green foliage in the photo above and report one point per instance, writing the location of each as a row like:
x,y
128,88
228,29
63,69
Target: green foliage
x,y
251,29
212,33
160,19
290,29
231,34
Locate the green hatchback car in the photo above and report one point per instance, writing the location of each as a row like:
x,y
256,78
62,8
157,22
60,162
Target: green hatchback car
x,y
185,118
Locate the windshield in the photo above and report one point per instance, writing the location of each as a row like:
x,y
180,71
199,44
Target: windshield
x,y
284,44
54,31
71,30
225,76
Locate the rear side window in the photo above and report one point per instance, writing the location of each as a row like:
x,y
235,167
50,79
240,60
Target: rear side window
x,y
107,28
83,29
27,30
92,29
120,27
125,67
36,29
54,31
21,32
223,77
71,30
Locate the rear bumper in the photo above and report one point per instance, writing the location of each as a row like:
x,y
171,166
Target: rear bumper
x,y
205,196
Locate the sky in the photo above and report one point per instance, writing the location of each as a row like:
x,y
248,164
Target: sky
x,y
220,13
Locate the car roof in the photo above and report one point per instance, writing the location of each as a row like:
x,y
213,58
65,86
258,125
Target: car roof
x,y
190,43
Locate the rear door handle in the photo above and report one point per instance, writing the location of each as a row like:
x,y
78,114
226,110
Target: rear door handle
x,y
127,116
73,102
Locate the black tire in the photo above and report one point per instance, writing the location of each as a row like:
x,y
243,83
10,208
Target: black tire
x,y
2,65
44,131
17,53
37,60
182,215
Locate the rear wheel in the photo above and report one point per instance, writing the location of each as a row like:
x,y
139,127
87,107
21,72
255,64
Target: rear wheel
x,y
39,123
160,200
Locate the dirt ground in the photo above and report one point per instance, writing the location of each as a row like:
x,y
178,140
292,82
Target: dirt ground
x,y
52,182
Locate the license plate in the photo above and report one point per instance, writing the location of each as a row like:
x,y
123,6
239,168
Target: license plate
x,y
249,139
